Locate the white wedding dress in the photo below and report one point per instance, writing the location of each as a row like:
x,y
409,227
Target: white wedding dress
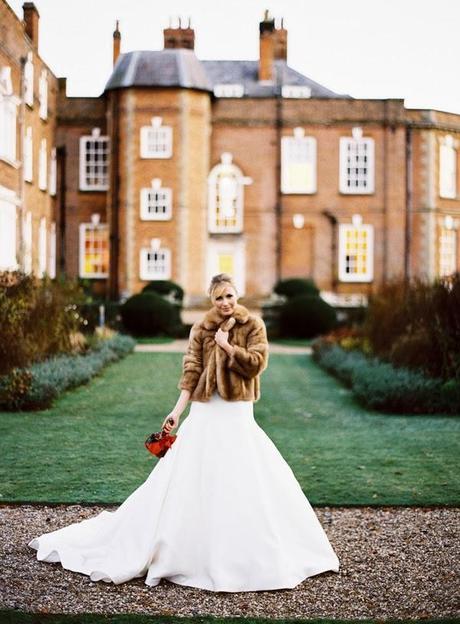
x,y
222,510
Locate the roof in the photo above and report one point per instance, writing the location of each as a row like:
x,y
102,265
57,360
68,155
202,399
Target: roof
x,y
181,68
164,68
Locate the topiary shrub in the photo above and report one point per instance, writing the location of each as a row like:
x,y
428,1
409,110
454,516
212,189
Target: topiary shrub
x,y
149,314
167,289
296,286
306,316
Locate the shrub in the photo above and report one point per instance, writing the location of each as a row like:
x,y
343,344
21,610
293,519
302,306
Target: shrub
x,y
89,311
37,318
166,288
305,316
295,286
149,314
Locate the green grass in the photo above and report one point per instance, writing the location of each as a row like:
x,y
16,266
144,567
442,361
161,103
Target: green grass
x,y
14,617
89,447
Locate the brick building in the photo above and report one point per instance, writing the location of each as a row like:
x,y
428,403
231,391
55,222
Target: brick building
x,y
184,168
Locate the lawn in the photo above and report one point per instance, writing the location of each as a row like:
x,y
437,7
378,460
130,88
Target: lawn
x,y
89,447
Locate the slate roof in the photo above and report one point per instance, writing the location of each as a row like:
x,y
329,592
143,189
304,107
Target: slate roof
x,y
181,68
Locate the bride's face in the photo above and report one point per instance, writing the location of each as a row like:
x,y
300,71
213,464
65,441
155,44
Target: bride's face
x,y
225,301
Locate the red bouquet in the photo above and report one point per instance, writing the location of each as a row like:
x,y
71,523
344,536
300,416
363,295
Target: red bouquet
x,y
159,442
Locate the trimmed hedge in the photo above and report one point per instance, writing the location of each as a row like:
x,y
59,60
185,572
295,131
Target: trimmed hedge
x,y
37,387
150,314
306,316
379,385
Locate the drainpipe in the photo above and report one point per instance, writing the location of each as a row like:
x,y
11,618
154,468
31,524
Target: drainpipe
x,y
333,221
61,159
409,200
113,293
278,208
22,208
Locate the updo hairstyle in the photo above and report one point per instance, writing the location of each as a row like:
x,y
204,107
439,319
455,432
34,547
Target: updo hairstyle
x,y
219,282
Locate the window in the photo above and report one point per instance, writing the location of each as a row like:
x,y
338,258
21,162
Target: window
x,y
43,94
94,162
448,168
156,202
28,155
29,80
42,165
356,251
27,238
155,264
356,163
298,163
447,247
53,172
94,250
52,254
8,259
42,255
295,91
156,140
229,90
225,196
8,112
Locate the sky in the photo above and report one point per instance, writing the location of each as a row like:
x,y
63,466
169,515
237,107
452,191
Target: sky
x,y
408,49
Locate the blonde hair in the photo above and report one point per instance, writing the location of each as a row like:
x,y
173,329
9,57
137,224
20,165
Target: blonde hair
x,y
219,282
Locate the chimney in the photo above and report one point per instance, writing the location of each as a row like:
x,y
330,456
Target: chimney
x,y
31,20
179,37
266,47
116,43
281,43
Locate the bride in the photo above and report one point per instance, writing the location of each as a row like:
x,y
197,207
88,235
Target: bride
x,y
222,510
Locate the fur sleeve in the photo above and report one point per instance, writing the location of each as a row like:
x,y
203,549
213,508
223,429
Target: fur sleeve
x,y
192,362
252,360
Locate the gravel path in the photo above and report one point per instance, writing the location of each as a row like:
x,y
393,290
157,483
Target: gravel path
x,y
180,346
396,562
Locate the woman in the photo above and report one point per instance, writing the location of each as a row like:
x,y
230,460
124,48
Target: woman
x,y
222,510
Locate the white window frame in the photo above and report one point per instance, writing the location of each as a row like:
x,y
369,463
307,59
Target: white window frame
x,y
43,94
53,173
236,249
351,148
42,247
164,256
351,232
28,242
156,135
100,168
148,203
296,91
226,170
83,229
52,252
28,155
298,151
42,165
8,234
29,80
234,90
8,117
447,168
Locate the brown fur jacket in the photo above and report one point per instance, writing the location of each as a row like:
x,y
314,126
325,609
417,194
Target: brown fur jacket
x,y
207,366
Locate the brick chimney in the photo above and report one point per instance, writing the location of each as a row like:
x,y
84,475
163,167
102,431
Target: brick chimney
x,y
116,43
272,46
31,21
179,37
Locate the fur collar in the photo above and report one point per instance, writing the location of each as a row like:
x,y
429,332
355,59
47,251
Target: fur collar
x,y
213,320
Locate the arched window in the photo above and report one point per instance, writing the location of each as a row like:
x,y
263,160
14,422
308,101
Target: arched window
x,y
225,196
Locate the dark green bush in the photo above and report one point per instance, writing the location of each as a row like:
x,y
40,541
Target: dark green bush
x,y
149,314
37,318
37,387
166,288
294,286
89,311
306,316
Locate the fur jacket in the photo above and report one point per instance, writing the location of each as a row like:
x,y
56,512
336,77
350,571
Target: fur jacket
x,y
208,367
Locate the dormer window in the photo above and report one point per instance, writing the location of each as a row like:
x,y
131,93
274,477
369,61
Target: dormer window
x,y
43,94
229,90
94,162
295,91
356,163
29,80
156,140
156,202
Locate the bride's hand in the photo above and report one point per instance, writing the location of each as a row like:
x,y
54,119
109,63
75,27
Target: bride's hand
x,y
168,426
221,337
